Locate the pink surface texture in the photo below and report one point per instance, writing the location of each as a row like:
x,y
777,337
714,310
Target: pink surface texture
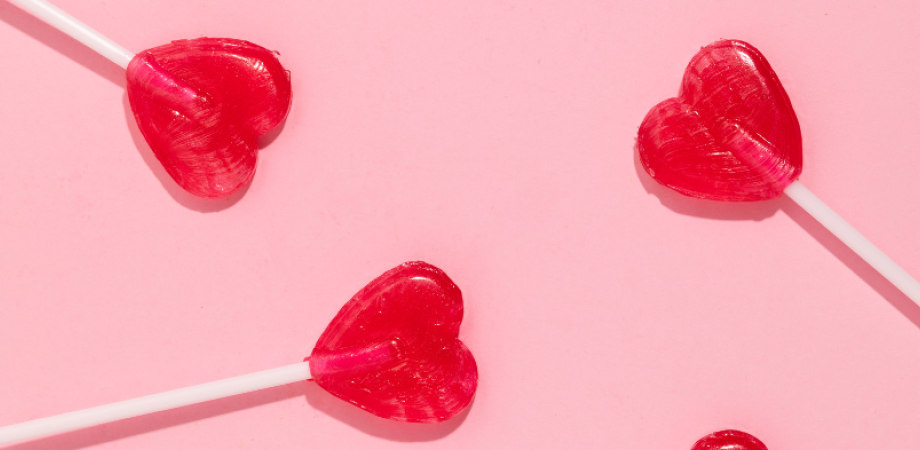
x,y
496,141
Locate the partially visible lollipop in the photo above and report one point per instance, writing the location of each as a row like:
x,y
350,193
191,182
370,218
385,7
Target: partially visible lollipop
x,y
731,135
201,104
392,350
729,440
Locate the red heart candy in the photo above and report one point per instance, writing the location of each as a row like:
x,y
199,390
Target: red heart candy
x,y
393,348
729,440
202,103
730,135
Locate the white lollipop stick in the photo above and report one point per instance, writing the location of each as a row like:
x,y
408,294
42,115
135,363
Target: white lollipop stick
x,y
77,30
853,239
153,403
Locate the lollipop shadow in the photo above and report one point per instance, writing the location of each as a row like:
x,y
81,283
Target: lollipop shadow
x,y
266,139
696,207
101,434
854,262
182,197
761,210
315,395
377,426
61,43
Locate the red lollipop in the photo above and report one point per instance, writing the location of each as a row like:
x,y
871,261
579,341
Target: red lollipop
x,y
729,440
731,135
201,104
392,350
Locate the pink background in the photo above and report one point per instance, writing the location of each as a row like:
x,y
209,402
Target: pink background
x,y
493,139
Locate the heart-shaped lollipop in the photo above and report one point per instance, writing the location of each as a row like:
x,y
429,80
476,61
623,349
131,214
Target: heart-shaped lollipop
x,y
201,104
731,134
392,350
729,440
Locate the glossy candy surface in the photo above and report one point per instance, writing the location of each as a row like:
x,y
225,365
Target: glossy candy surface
x,y
201,104
393,348
730,134
729,440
